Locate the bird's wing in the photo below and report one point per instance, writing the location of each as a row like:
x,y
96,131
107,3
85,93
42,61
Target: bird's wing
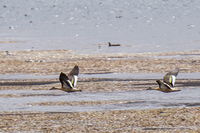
x,y
163,86
73,75
65,81
170,77
73,79
74,71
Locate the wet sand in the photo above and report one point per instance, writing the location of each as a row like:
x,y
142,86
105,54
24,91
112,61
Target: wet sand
x,y
53,62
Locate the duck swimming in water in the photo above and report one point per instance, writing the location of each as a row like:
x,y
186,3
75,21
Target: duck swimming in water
x,y
68,82
168,82
110,45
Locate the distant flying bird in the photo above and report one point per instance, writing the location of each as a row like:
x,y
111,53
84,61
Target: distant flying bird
x,y
168,82
68,82
110,45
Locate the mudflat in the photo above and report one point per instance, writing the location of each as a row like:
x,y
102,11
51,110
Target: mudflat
x,y
183,119
152,120
54,61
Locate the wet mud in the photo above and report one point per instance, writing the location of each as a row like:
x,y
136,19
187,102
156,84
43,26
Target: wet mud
x,y
114,91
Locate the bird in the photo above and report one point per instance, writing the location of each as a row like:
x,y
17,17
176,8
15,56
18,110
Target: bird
x,y
109,44
8,53
68,82
168,82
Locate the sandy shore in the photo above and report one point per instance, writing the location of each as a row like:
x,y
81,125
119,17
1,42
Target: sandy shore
x,y
154,120
53,62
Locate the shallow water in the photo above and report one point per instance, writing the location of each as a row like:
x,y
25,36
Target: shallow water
x,y
139,26
135,100
102,75
139,99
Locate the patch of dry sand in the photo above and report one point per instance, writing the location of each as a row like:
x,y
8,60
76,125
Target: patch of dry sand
x,y
55,61
153,120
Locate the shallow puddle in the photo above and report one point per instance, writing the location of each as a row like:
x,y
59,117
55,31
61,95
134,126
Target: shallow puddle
x,y
102,75
140,75
23,100
134,100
